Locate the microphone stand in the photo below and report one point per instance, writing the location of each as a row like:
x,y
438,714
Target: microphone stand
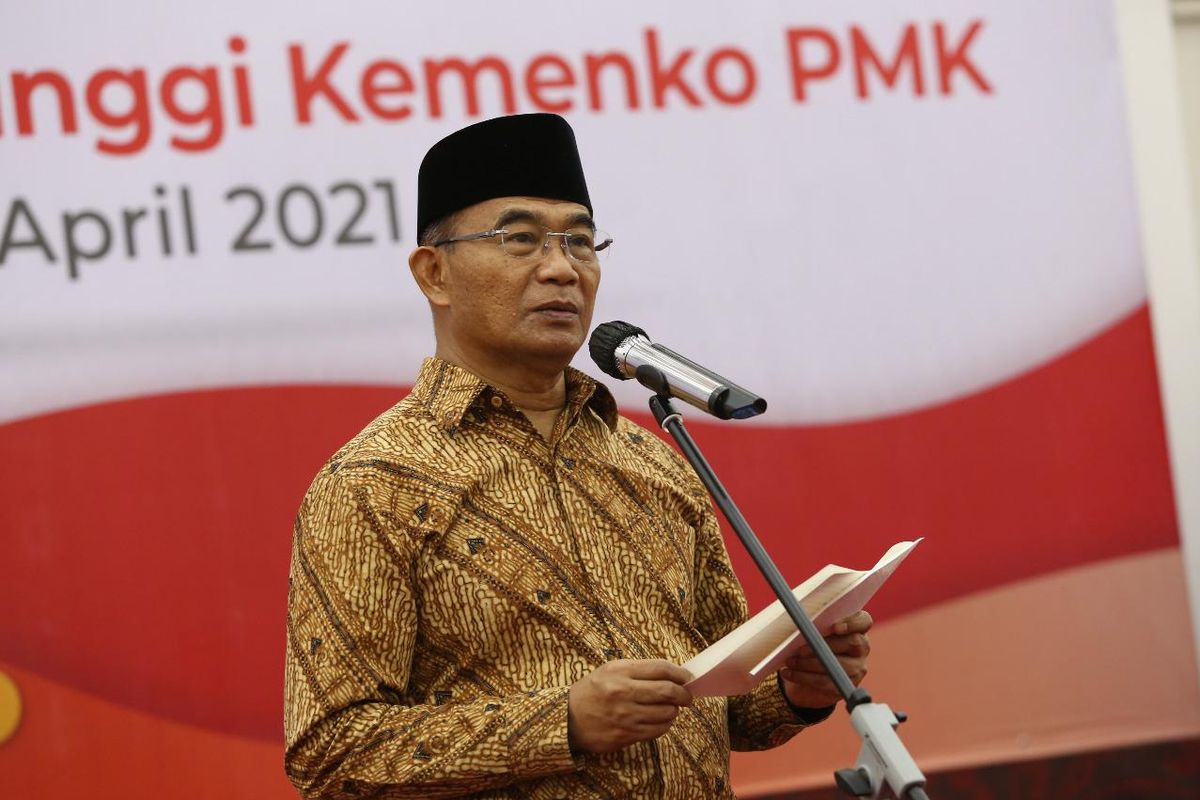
x,y
884,768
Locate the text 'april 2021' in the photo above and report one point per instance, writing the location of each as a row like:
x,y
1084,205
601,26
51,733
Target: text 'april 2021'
x,y
193,107
297,215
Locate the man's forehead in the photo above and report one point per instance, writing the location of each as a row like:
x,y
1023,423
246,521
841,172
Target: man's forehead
x,y
537,207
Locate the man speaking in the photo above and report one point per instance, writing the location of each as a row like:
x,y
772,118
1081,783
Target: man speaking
x,y
492,584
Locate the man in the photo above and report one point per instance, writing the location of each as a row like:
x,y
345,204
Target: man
x,y
493,584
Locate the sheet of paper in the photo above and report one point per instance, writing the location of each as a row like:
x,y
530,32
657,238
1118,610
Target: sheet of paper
x,y
760,646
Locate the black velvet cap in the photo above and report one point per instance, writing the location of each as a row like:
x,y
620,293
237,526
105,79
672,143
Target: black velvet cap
x,y
524,155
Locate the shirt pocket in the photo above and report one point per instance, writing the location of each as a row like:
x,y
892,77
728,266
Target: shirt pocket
x,y
665,543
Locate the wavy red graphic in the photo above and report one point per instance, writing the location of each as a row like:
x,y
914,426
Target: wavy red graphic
x,y
146,541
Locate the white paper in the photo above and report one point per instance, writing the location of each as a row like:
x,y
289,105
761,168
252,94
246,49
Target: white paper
x,y
759,647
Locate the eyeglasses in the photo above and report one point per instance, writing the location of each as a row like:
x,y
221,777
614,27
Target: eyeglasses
x,y
583,246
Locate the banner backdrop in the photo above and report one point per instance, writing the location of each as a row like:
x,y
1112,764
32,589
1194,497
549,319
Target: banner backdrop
x,y
911,226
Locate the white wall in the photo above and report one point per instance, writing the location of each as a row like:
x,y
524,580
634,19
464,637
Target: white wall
x,y
1187,52
1162,91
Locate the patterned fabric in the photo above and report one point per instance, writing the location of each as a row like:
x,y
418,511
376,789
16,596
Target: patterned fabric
x,y
453,573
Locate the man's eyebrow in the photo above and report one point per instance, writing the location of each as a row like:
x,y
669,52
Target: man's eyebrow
x,y
582,219
517,215
525,215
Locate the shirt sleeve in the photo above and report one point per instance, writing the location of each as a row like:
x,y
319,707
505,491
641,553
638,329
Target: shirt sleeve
x,y
763,718
350,726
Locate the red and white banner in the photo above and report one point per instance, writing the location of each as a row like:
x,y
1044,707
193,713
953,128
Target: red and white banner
x,y
911,226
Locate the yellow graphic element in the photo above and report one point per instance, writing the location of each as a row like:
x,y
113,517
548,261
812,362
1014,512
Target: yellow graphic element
x,y
10,708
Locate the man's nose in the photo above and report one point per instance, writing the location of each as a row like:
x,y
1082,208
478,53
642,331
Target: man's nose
x,y
555,263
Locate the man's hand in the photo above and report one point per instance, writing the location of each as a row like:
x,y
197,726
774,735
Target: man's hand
x,y
623,702
805,682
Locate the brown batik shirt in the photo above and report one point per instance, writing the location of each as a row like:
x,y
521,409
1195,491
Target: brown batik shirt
x,y
453,573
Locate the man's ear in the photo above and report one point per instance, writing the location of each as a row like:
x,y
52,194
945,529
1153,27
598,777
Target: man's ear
x,y
429,271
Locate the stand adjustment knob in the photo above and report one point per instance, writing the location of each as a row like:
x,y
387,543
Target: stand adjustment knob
x,y
854,782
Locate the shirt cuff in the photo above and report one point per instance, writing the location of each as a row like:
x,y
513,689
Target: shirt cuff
x,y
542,748
808,716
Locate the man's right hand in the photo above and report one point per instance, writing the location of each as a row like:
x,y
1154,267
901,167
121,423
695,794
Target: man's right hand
x,y
623,702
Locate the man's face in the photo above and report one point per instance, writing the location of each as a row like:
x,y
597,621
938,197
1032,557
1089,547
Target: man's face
x,y
500,308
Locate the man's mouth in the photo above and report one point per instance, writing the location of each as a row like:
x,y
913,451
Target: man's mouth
x,y
558,306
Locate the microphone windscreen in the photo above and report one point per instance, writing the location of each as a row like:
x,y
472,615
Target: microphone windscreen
x,y
604,343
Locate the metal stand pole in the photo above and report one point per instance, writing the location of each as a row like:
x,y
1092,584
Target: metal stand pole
x,y
884,768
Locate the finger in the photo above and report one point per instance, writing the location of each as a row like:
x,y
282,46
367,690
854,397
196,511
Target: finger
x,y
640,730
857,663
854,644
660,693
809,690
858,622
835,643
819,686
804,665
650,731
654,715
657,669
813,666
855,669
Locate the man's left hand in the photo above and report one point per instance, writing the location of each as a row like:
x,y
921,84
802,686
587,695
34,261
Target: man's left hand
x,y
805,682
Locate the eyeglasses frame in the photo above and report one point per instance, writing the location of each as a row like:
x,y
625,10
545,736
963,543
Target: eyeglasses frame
x,y
472,237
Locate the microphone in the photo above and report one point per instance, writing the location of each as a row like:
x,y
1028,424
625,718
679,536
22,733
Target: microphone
x,y
624,351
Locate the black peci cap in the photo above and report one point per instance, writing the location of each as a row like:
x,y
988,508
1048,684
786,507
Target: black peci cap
x,y
525,155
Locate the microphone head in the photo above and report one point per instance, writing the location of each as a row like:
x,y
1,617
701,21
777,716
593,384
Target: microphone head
x,y
604,342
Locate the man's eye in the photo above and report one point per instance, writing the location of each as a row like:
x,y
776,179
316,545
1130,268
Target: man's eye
x,y
522,237
581,240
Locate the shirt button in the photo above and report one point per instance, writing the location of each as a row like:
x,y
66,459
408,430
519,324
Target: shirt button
x,y
497,401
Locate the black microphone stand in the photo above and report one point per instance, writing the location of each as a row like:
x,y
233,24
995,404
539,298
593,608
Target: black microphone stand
x,y
884,768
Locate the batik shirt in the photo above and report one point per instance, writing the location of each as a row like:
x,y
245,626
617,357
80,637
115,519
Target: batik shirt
x,y
453,573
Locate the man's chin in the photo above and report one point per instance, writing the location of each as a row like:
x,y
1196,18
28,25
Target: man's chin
x,y
554,346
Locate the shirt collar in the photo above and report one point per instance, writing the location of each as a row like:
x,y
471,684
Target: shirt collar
x,y
448,392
